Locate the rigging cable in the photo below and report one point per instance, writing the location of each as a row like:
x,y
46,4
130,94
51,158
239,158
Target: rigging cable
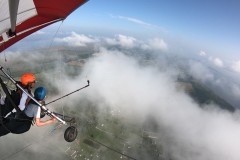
x,y
60,56
17,152
55,34
61,76
114,150
5,57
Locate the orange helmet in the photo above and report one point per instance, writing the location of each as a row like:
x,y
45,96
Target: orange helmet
x,y
27,78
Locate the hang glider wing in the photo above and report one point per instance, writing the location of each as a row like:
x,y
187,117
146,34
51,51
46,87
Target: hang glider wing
x,y
20,18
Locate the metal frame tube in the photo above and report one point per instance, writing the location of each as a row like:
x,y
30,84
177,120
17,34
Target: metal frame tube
x,y
13,10
68,93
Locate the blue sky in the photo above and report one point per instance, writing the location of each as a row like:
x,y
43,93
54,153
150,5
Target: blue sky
x,y
213,25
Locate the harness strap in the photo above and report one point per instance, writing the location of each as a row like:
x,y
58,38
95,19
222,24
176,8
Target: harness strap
x,y
8,96
23,117
1,118
2,123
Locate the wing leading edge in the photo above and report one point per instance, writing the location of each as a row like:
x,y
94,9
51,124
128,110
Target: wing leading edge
x,y
32,15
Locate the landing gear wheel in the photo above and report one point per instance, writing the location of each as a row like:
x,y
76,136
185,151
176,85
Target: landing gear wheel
x,y
70,134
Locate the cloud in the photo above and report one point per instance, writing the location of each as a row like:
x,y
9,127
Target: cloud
x,y
236,66
235,90
131,42
215,60
139,22
126,81
134,20
122,40
202,53
222,81
200,72
76,39
187,130
158,44
218,62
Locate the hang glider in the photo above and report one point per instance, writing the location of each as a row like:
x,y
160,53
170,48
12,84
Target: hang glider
x,y
70,133
20,18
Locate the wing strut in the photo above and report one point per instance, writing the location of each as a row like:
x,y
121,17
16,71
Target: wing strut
x,y
13,10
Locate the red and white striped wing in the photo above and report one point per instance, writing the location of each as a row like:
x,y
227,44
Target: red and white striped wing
x,y
33,15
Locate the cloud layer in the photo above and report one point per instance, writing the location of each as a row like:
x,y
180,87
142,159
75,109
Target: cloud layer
x,y
123,41
189,131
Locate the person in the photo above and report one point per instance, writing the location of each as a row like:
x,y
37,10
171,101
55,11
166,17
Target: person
x,y
19,97
31,114
28,81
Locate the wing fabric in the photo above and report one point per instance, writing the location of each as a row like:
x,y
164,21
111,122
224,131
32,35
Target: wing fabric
x,y
32,15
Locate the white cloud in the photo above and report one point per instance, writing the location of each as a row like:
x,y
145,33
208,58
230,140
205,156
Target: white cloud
x,y
188,130
218,62
131,42
158,44
202,53
139,22
122,40
200,72
134,20
215,60
236,66
76,39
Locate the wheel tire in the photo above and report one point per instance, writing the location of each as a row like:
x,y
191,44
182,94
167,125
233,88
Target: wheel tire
x,y
70,134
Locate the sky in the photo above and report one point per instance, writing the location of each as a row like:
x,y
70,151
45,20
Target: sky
x,y
205,26
213,25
